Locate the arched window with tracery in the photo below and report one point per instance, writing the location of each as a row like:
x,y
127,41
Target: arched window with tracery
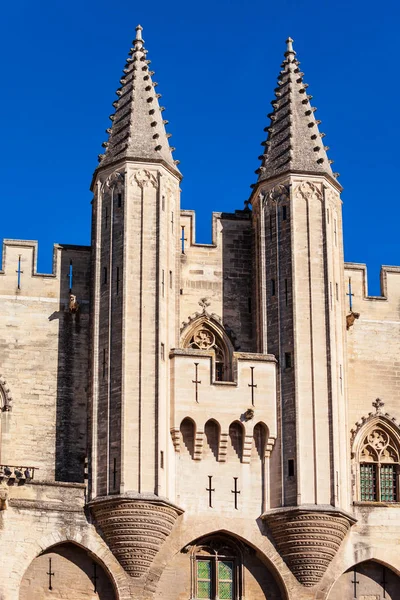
x,y
208,335
379,460
217,570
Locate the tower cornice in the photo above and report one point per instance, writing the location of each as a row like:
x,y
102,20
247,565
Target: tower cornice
x,y
287,174
131,160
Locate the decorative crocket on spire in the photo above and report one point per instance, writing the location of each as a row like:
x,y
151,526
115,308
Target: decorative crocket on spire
x,y
294,142
138,127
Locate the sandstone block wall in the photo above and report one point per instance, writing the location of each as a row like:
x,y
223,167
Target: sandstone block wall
x,y
44,361
373,343
222,272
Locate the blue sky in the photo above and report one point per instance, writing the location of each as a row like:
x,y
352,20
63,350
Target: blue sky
x,y
216,63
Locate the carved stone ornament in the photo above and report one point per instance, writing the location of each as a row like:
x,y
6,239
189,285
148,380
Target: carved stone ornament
x,y
279,193
135,528
379,447
308,190
5,396
332,198
371,420
73,304
143,177
169,187
308,539
116,179
350,319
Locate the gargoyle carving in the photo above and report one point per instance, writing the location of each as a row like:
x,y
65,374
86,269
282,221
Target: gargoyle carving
x,y
73,304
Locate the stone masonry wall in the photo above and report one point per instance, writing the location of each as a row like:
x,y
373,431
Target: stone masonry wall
x,y
44,361
373,344
221,272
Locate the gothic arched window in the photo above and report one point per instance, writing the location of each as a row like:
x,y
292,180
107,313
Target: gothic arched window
x,y
217,570
208,336
379,460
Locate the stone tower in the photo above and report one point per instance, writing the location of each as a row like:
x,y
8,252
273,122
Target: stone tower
x,y
300,294
135,206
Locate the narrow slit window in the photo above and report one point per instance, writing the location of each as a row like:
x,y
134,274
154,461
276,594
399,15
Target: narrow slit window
x,y
104,363
163,202
106,217
115,474
162,351
170,280
337,291
288,360
104,275
284,213
161,459
291,467
117,281
286,292
272,287
119,200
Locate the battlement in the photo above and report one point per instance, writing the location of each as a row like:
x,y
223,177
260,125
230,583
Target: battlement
x,y
188,222
19,276
385,306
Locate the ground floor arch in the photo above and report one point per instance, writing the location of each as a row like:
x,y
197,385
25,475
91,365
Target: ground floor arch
x,y
369,580
218,566
66,571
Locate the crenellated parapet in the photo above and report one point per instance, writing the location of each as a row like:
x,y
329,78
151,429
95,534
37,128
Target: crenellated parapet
x,y
384,306
19,276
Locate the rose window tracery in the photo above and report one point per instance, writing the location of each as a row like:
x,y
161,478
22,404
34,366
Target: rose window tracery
x,y
205,339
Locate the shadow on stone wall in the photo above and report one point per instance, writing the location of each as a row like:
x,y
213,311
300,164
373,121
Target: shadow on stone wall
x,y
73,366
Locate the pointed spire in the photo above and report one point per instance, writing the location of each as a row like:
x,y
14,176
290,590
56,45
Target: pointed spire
x,y
138,126
294,142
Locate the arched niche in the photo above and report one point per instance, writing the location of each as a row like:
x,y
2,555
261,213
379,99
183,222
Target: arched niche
x,y
66,571
218,566
369,579
187,431
205,333
236,439
212,433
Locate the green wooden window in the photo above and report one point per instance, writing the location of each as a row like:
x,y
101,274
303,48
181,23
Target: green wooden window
x,y
215,579
204,574
225,580
388,483
368,482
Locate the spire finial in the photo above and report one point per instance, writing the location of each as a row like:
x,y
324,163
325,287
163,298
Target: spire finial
x,y
289,46
139,30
